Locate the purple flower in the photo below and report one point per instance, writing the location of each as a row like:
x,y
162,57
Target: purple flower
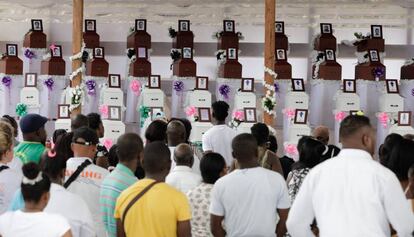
x,y
178,86
224,91
412,92
378,72
277,87
6,81
90,86
49,83
29,54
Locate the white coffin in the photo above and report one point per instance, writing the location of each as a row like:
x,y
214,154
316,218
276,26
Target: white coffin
x,y
30,97
113,97
296,131
391,103
244,128
63,124
297,100
402,130
347,102
244,100
199,99
153,98
113,129
199,128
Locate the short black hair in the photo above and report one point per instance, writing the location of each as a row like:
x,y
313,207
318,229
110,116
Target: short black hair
x,y
261,132
310,153
411,171
211,165
129,147
244,146
57,134
86,134
33,192
9,119
79,121
220,110
112,156
53,163
94,120
401,158
63,145
157,157
187,125
352,124
385,150
273,143
156,131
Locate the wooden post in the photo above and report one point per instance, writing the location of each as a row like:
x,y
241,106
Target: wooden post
x,y
77,29
269,49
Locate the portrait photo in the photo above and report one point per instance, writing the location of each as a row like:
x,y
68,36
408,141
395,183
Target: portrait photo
x,y
330,55
12,50
202,83
154,82
142,52
57,51
114,81
140,25
392,86
376,31
250,115
247,84
98,52
63,111
187,53
280,54
184,25
301,116
228,26
90,25
114,113
280,27
298,85
204,115
30,80
373,56
349,86
156,112
232,53
404,118
37,25
326,28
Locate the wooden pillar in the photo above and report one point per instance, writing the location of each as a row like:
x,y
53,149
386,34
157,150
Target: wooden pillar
x,y
77,29
269,49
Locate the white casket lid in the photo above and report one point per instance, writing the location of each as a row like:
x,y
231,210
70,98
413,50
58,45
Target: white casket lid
x,y
199,98
244,100
113,97
391,103
30,97
297,100
153,98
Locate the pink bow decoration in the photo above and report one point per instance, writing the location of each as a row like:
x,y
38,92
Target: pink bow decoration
x,y
238,115
52,47
190,111
135,87
290,113
103,109
291,151
340,116
108,143
383,118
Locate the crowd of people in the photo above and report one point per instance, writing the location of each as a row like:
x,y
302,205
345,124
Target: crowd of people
x,y
68,184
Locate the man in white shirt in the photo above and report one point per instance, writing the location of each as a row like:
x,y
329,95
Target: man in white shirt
x,y
218,138
351,195
182,176
249,199
82,176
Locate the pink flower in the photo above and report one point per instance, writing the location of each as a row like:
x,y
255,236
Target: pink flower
x,y
290,113
190,111
135,87
103,109
383,118
340,116
108,143
238,115
52,47
291,151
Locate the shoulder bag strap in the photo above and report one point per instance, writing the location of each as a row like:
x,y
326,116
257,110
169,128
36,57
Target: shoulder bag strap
x,y
77,172
4,167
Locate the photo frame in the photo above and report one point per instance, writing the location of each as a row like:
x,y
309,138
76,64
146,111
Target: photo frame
x,y
142,52
37,25
376,31
373,56
11,50
301,116
330,55
63,111
187,53
228,26
204,115
280,27
140,25
404,118
183,25
232,54
281,55
156,112
392,86
326,28
201,83
30,80
114,113
56,52
247,84
250,115
349,86
90,25
298,85
99,52
114,81
154,82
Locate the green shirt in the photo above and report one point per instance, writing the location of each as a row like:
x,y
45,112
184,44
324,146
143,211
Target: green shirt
x,y
29,152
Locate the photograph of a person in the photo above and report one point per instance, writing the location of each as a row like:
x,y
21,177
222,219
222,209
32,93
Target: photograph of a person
x,y
140,25
301,116
57,51
247,85
187,53
184,25
298,85
30,80
37,25
63,111
281,54
202,83
250,115
204,115
232,53
349,86
373,56
90,25
228,26
330,55
12,50
280,27
376,31
392,86
404,118
326,28
142,52
98,52
114,81
156,112
154,82
114,113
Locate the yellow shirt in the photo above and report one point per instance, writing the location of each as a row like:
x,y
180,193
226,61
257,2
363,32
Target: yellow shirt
x,y
156,213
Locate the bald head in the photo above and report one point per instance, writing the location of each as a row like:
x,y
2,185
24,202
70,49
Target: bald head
x,y
157,159
244,148
356,132
321,133
183,155
176,133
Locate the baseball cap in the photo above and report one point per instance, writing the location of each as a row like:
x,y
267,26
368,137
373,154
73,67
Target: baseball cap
x,y
86,134
31,123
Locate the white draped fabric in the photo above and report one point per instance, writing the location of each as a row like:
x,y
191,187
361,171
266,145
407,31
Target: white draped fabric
x,y
91,104
49,99
234,85
284,86
10,96
407,92
33,65
287,123
133,99
369,93
178,98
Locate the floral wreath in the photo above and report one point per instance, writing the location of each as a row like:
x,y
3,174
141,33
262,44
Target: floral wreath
x,y
77,96
82,55
269,101
219,34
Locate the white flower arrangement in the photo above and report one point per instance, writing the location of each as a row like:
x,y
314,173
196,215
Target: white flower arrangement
x,y
269,100
78,56
77,97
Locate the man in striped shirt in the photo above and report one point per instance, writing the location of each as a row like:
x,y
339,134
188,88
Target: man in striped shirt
x,y
129,151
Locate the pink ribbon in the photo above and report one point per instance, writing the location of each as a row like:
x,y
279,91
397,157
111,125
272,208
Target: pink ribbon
x,y
290,113
340,116
383,118
135,87
291,151
190,111
239,115
108,143
103,109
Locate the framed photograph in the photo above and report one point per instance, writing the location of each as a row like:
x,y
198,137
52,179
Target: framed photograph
x,y
201,83
114,113
392,86
140,25
156,112
376,31
90,25
301,116
247,84
280,55
349,86
142,52
11,50
373,56
330,55
250,115
326,28
154,82
183,25
298,85
99,52
114,81
56,52
204,115
404,118
279,27
30,80
228,26
37,25
187,53
63,111
232,54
